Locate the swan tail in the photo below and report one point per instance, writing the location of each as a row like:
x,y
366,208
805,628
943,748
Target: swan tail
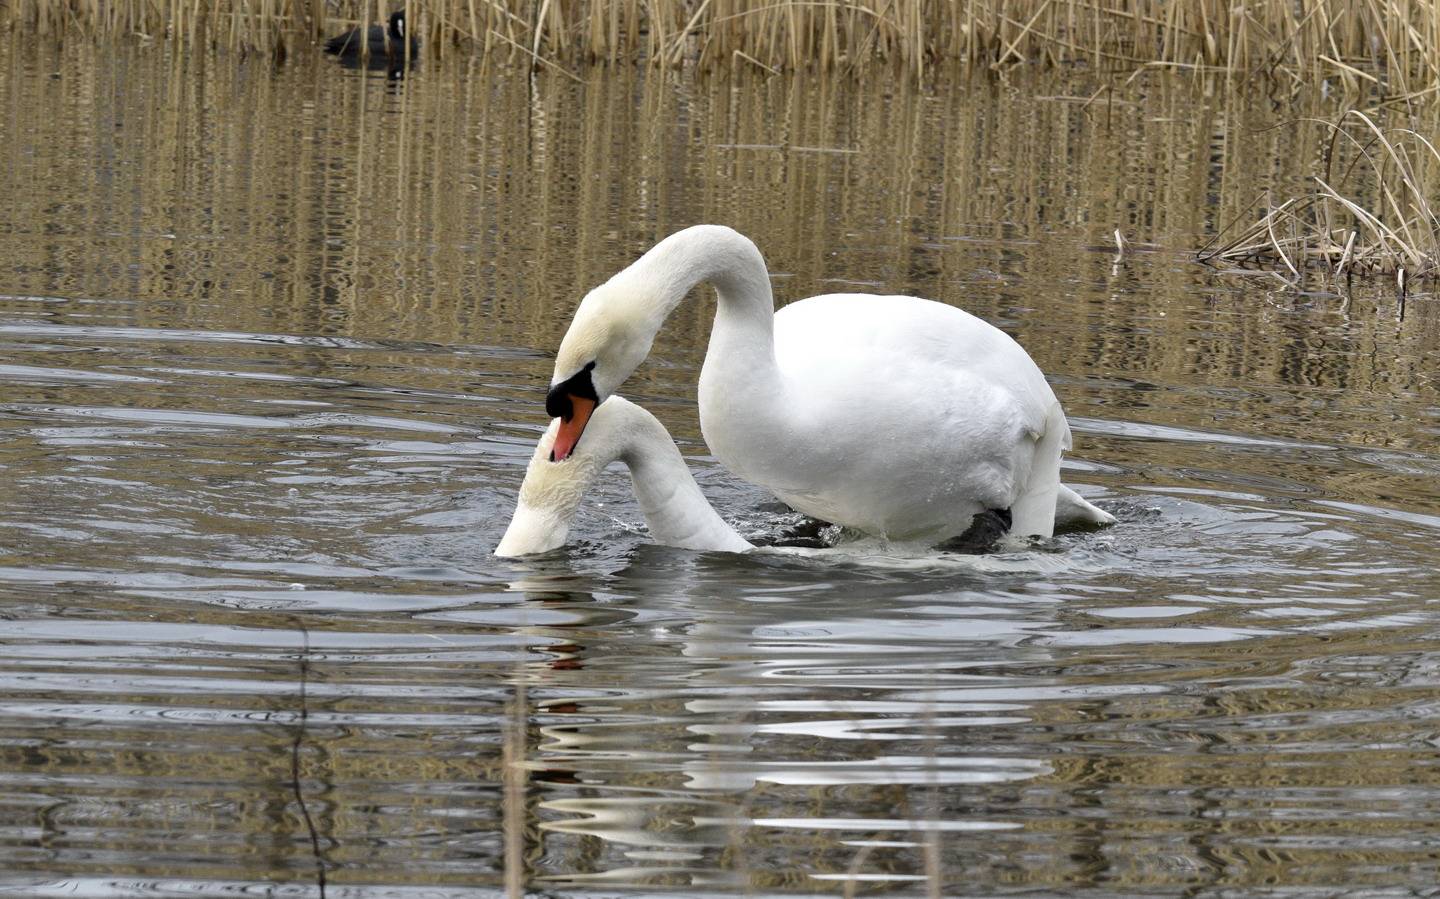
x,y
1073,509
1033,511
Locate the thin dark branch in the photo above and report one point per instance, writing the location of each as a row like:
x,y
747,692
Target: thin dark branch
x,y
295,763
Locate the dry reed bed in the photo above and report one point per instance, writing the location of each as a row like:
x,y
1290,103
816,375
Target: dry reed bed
x,y
1370,212
1390,43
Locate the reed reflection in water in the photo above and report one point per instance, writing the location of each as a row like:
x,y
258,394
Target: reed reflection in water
x,y
273,346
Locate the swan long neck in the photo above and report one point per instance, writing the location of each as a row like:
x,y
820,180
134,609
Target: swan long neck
x,y
715,254
675,510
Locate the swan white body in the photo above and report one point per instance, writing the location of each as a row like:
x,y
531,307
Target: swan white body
x,y
896,416
675,510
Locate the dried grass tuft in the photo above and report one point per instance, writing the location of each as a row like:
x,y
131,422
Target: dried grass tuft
x,y
1370,212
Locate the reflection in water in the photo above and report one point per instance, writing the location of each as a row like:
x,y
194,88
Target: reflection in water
x,y
274,344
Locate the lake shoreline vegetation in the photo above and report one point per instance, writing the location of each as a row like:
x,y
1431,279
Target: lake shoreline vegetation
x,y
1331,230
1368,212
1394,44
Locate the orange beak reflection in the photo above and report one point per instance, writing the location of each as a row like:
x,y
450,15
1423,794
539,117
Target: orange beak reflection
x,y
571,428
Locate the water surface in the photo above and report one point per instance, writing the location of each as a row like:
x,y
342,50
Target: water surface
x,y
273,348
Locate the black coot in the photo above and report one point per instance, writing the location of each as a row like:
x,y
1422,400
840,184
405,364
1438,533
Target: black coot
x,y
384,40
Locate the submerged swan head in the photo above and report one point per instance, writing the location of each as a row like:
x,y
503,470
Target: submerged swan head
x,y
675,510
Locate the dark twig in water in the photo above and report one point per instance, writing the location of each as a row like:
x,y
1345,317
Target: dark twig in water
x,y
295,762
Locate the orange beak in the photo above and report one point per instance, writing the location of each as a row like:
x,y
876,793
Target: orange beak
x,y
571,428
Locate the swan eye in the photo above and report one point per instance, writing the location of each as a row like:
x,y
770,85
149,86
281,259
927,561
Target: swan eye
x,y
579,385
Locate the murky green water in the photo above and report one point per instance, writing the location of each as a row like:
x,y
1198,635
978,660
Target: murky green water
x,y
273,348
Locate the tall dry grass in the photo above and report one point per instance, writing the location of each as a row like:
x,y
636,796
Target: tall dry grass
x,y
1394,43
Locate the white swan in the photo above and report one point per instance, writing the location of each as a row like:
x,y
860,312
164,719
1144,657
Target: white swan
x,y
896,416
675,509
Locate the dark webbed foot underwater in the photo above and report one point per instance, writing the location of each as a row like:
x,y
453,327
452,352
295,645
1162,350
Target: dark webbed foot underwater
x,y
983,535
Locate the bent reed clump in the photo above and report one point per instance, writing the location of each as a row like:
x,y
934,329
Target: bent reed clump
x,y
1392,43
1370,212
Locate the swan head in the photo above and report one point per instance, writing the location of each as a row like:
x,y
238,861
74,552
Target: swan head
x,y
608,339
552,491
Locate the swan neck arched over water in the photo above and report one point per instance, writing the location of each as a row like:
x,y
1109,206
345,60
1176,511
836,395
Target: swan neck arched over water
x,y
724,258
676,511
616,323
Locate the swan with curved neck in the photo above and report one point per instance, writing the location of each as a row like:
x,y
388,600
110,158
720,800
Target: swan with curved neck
x,y
896,416
675,510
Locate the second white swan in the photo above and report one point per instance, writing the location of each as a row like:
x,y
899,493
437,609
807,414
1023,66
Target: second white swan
x,y
675,510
